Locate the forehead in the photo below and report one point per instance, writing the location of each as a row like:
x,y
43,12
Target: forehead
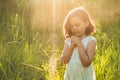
x,y
75,19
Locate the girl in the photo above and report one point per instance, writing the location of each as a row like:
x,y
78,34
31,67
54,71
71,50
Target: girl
x,y
79,47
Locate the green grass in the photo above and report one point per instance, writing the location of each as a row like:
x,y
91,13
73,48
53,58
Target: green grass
x,y
28,52
24,60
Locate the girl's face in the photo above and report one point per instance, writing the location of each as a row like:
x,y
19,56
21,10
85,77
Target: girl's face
x,y
78,26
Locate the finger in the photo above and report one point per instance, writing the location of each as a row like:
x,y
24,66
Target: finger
x,y
73,37
73,43
72,40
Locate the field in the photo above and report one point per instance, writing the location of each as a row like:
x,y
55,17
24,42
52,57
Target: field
x,y
31,38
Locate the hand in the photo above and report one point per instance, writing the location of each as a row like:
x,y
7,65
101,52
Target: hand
x,y
73,44
75,40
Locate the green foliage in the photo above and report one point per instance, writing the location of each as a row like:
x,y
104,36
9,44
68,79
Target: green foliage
x,y
30,46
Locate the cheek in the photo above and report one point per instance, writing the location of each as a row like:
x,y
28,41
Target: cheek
x,y
82,29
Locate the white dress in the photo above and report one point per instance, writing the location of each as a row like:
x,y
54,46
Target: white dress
x,y
74,69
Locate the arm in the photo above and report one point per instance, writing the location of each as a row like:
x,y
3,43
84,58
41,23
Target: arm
x,y
67,52
87,55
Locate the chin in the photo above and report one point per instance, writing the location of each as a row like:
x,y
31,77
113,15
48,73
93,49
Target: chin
x,y
78,35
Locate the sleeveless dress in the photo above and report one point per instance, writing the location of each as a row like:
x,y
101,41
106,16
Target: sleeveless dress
x,y
74,69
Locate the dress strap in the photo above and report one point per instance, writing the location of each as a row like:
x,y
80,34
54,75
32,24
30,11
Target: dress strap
x,y
68,42
90,38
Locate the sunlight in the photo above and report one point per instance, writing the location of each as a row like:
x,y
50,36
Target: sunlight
x,y
52,60
54,15
41,12
32,40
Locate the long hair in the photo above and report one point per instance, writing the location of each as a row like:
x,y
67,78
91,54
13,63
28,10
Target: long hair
x,y
84,15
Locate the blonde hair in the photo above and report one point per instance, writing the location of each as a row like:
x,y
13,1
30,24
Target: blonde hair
x,y
83,13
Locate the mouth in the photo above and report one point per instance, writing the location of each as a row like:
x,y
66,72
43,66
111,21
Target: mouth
x,y
75,32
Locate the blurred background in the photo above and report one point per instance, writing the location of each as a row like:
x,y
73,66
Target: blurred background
x,y
31,38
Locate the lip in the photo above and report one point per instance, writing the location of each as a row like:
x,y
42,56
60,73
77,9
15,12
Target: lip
x,y
75,32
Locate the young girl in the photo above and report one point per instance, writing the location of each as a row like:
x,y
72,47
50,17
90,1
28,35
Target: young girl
x,y
79,47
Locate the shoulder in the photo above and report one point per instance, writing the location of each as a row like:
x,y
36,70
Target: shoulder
x,y
91,38
92,42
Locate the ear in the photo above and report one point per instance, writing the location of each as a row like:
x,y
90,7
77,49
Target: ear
x,y
87,23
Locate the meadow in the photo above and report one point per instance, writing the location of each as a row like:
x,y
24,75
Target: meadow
x,y
31,38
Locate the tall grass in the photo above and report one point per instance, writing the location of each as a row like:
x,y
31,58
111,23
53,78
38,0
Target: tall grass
x,y
31,51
